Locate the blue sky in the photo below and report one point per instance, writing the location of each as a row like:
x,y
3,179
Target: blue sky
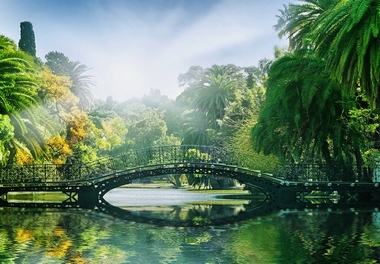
x,y
132,46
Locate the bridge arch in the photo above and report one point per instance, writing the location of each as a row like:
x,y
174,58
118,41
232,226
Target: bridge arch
x,y
266,184
125,214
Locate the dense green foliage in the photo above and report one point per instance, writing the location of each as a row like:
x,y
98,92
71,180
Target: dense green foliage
x,y
322,95
81,84
19,82
217,103
303,113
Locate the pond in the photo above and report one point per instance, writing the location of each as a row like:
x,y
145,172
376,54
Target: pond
x,y
283,236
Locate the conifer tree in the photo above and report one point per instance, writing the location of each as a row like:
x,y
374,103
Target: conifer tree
x,y
27,41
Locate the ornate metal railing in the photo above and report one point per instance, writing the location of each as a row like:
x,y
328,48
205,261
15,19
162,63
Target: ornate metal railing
x,y
134,158
44,173
35,173
324,172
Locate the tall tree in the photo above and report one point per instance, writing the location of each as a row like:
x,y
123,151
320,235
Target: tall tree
x,y
196,129
345,33
19,81
81,84
63,105
217,100
302,117
214,97
348,36
59,64
297,21
27,41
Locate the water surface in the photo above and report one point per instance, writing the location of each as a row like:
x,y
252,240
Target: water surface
x,y
286,236
155,197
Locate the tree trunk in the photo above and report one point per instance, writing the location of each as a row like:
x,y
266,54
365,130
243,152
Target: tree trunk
x,y
327,157
12,155
175,180
359,163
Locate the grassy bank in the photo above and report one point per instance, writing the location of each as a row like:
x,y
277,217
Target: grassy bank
x,y
37,196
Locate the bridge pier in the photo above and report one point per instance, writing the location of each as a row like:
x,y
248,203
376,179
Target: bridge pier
x,y
87,197
287,196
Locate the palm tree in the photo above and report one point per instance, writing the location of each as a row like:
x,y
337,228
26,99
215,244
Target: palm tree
x,y
214,97
345,33
297,21
81,84
18,97
301,119
30,132
215,93
6,44
348,36
59,64
196,129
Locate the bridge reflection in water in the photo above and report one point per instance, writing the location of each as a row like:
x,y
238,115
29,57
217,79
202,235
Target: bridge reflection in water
x,y
200,215
86,184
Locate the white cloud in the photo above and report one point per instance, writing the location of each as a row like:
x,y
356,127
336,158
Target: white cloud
x,y
131,50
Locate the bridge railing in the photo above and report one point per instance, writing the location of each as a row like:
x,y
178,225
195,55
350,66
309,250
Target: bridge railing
x,y
134,158
131,158
172,154
168,154
324,172
35,173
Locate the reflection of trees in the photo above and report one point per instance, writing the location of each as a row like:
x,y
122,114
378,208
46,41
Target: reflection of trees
x,y
190,215
256,242
333,238
47,237
204,213
6,255
84,237
76,237
314,237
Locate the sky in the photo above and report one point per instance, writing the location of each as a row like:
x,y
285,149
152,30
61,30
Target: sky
x,y
133,46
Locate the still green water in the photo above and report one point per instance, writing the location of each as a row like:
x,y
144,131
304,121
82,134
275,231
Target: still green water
x,y
86,236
